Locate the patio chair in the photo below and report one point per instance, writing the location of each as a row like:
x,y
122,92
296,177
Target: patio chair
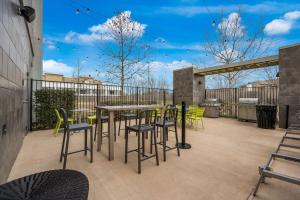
x,y
142,129
196,116
48,185
66,138
126,117
169,120
91,119
60,121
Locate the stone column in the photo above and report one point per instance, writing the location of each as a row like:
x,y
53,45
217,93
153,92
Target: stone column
x,y
289,84
188,86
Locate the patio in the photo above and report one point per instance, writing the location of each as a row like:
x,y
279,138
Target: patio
x,y
222,164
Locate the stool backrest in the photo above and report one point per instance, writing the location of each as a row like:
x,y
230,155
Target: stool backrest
x,y
170,115
64,115
149,115
57,114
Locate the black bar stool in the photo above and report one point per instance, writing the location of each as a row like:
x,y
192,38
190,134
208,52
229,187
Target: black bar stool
x,y
66,138
169,120
126,117
141,130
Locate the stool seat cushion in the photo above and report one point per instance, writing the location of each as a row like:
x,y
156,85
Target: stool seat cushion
x,y
167,124
81,126
143,128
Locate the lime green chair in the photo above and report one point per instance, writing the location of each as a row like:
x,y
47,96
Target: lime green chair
x,y
91,119
59,122
196,116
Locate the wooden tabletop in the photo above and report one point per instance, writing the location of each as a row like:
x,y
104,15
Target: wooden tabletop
x,y
127,107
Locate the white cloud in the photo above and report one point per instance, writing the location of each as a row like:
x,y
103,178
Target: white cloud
x,y
176,64
103,32
260,8
292,15
232,25
52,66
162,43
50,44
278,26
282,25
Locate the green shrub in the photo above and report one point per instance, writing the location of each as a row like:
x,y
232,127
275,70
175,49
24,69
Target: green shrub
x,y
47,100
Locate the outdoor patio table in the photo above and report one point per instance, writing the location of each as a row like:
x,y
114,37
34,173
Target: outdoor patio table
x,y
80,111
111,129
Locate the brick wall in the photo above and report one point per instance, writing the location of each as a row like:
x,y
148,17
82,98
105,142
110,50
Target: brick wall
x,y
188,87
15,61
289,84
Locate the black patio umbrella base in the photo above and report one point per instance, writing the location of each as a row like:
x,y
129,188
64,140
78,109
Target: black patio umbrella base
x,y
184,145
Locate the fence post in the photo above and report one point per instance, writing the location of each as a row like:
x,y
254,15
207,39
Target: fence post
x,y
30,105
235,102
287,116
183,144
97,94
137,95
164,96
173,97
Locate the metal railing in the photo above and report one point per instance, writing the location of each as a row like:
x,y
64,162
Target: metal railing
x,y
229,97
49,95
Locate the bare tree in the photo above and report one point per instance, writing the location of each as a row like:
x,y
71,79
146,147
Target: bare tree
x,y
125,50
232,42
270,73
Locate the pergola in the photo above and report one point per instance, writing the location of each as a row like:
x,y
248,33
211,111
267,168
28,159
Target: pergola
x,y
244,65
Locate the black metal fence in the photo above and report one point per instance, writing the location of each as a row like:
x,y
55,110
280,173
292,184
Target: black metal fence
x,y
229,97
48,95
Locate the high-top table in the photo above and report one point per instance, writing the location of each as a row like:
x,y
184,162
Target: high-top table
x,y
111,126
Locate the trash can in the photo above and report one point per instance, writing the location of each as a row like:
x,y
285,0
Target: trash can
x,y
266,116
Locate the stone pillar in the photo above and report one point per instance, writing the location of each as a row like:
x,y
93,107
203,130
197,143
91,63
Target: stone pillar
x,y
289,84
188,86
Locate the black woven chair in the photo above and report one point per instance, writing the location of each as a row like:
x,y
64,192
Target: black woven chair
x,y
49,185
149,116
169,120
66,138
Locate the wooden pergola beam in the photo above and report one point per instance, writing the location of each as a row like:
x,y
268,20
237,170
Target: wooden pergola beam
x,y
244,65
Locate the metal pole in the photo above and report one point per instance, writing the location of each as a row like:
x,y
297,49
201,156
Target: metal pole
x,y
173,97
164,93
97,94
287,116
137,95
30,105
183,144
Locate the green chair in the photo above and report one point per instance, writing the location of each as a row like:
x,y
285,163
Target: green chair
x,y
91,119
196,116
60,121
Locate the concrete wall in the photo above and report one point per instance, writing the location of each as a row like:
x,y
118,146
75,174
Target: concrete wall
x,y
16,58
188,87
289,84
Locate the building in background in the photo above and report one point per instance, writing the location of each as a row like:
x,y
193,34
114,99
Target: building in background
x,y
84,85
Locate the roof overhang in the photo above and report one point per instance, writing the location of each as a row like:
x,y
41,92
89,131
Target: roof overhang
x,y
244,65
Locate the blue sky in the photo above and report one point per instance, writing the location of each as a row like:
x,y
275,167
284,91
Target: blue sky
x,y
175,30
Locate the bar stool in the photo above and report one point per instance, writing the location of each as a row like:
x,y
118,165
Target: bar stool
x,y
142,130
126,117
169,120
66,138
